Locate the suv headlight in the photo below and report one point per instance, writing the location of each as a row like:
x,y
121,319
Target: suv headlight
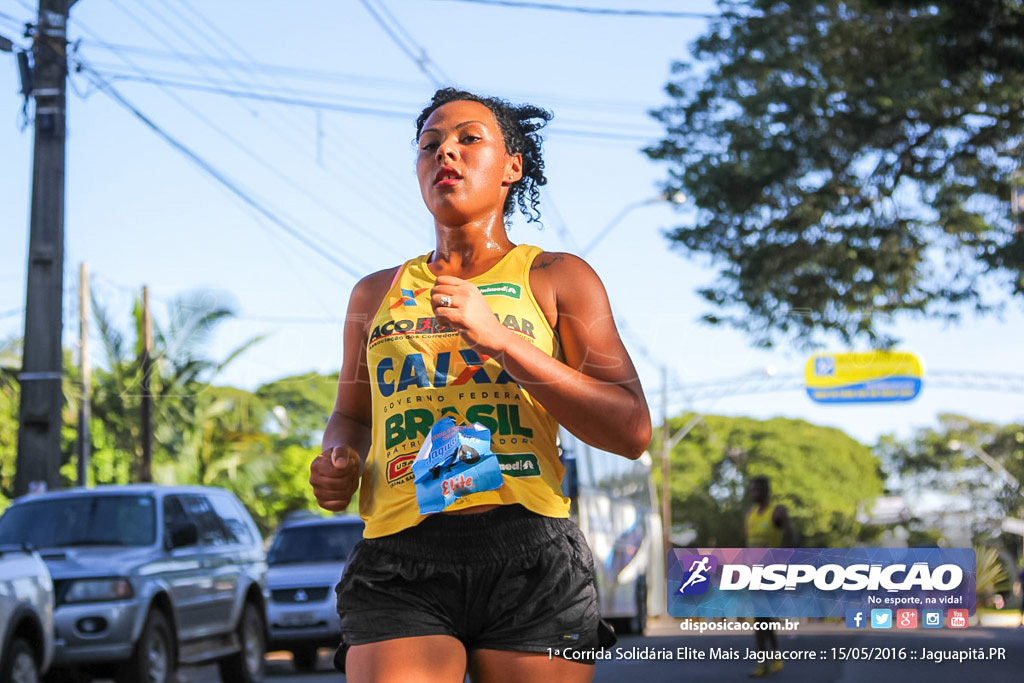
x,y
99,590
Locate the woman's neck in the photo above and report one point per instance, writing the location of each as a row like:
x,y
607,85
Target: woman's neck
x,y
468,251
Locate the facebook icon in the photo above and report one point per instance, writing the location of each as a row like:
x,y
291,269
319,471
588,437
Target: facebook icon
x,y
855,618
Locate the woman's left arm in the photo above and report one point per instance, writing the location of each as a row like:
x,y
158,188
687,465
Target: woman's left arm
x,y
595,393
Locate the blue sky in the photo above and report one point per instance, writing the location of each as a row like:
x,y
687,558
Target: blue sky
x,y
302,148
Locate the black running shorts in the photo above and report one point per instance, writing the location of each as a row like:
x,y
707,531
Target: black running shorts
x,y
506,579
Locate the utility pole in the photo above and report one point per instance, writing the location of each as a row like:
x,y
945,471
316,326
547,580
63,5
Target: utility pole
x,y
666,469
85,407
146,363
668,442
39,419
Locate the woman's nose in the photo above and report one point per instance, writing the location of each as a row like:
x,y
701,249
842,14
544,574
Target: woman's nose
x,y
447,150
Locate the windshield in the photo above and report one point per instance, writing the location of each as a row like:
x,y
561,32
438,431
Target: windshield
x,y
314,543
81,521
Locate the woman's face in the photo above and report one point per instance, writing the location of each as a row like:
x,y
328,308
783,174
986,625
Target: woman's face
x,y
463,168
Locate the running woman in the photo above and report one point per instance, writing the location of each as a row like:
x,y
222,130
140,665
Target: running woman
x,y
499,585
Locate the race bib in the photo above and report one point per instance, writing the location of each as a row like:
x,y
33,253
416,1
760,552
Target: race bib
x,y
453,462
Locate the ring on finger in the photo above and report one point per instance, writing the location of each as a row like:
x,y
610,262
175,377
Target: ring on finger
x,y
444,300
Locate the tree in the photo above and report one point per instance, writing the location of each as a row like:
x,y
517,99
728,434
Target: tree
x,y
824,477
298,408
947,464
301,405
10,361
851,162
186,410
10,400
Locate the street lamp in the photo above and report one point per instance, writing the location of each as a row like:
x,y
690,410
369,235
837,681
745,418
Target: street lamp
x,y
672,196
1009,525
993,464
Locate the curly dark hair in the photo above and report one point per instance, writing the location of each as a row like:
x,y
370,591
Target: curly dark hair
x,y
519,125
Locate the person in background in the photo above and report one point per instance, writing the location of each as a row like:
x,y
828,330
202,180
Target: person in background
x,y
766,526
498,584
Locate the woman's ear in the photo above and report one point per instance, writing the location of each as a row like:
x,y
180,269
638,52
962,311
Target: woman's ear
x,y
514,169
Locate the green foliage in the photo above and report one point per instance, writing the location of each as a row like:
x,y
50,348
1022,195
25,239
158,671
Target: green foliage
x,y
950,462
10,360
851,160
820,474
991,574
285,488
301,406
10,399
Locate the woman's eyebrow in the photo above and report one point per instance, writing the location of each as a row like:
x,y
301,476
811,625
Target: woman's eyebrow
x,y
458,125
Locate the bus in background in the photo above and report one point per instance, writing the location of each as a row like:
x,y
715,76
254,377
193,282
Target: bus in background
x,y
614,502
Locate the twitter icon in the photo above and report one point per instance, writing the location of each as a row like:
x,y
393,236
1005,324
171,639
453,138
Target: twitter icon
x,y
881,618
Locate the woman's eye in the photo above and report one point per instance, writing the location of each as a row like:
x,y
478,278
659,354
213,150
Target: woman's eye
x,y
429,146
470,138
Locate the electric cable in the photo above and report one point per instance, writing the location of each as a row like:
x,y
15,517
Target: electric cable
x,y
247,199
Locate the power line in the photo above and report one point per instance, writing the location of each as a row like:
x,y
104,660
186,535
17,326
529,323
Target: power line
x,y
320,75
407,45
28,7
255,79
11,18
263,97
15,24
239,145
287,129
110,91
326,76
326,105
324,142
601,11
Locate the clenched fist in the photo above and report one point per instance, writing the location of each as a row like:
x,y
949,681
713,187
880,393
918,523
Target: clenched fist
x,y
334,475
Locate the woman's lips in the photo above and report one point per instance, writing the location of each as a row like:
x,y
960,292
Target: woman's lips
x,y
447,177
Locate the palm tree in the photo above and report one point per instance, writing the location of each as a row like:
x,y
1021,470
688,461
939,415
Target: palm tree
x,y
186,412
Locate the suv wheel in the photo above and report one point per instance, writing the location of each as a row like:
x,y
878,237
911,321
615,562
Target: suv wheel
x,y
19,666
246,665
153,659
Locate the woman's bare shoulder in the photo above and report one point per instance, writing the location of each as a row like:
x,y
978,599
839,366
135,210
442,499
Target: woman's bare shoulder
x,y
560,265
558,270
371,290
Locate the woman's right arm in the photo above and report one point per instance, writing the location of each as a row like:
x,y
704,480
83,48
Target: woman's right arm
x,y
334,474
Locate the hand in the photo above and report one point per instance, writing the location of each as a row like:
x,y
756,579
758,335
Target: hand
x,y
466,310
334,475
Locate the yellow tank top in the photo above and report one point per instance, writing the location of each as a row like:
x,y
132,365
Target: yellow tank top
x,y
761,531
421,371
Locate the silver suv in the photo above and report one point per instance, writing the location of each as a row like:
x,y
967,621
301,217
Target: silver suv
x,y
307,558
147,577
26,615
